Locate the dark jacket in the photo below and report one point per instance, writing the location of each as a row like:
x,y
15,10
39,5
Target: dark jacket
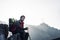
x,y
4,29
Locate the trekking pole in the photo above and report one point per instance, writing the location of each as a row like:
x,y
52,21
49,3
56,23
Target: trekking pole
x,y
29,35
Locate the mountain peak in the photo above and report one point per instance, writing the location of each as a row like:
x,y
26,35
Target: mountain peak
x,y
44,24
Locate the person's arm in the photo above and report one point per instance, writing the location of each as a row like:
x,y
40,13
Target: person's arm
x,y
25,28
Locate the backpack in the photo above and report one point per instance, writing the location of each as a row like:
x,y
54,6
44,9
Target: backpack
x,y
4,29
11,24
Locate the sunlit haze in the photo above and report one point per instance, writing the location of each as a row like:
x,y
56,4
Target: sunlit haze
x,y
36,11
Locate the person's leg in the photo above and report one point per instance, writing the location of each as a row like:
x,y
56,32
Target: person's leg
x,y
26,36
18,36
2,37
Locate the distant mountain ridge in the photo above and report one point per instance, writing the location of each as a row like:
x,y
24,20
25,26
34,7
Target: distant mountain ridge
x,y
43,32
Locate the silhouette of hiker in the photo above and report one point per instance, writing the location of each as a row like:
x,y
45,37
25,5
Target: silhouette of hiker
x,y
18,27
3,31
21,28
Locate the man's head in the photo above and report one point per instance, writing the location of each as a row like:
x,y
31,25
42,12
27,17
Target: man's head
x,y
22,17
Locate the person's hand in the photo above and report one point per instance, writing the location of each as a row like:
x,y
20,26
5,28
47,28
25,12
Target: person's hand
x,y
26,28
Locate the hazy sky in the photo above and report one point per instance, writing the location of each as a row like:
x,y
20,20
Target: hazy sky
x,y
36,11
